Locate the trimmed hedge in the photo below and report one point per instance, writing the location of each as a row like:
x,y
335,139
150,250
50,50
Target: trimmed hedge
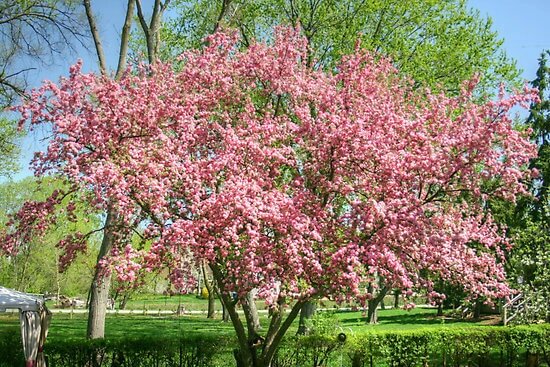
x,y
482,346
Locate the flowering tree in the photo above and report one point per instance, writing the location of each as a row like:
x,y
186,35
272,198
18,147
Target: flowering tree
x,y
299,183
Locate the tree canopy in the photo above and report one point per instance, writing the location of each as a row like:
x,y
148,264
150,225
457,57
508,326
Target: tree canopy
x,y
296,181
438,43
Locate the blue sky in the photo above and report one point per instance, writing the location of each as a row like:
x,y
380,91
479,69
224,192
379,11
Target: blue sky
x,y
523,25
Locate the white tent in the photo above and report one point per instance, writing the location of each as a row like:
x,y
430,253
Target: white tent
x,y
34,318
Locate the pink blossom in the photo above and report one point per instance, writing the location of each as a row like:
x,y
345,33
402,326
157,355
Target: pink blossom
x,y
297,182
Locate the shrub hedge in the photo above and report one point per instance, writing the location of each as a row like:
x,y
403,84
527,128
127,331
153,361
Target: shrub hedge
x,y
483,346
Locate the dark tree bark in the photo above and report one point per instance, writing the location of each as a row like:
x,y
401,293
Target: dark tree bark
x,y
440,309
396,294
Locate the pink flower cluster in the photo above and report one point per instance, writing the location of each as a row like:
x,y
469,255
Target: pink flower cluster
x,y
298,182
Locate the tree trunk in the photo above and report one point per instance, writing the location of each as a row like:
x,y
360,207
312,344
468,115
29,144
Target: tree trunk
x,y
99,291
254,350
306,313
124,301
440,309
211,293
477,310
225,313
251,314
532,360
211,305
396,299
372,311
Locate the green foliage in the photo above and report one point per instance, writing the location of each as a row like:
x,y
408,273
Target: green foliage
x,y
488,346
9,148
36,267
483,346
529,220
438,43
142,352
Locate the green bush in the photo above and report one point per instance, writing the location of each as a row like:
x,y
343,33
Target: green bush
x,y
482,346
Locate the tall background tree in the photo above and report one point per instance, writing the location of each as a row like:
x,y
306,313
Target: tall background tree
x,y
438,43
116,233
529,220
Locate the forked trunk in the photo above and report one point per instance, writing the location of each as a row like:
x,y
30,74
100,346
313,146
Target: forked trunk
x,y
372,311
253,349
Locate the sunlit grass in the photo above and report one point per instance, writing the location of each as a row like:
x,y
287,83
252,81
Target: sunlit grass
x,y
67,326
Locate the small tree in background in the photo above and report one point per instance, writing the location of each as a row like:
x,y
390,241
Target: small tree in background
x,y
297,182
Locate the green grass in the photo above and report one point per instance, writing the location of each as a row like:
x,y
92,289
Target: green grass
x,y
67,326
398,319
159,302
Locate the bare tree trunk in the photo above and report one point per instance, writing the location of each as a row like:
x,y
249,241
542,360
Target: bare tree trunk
x,y
306,313
396,294
225,312
99,291
95,34
211,293
125,36
251,314
440,309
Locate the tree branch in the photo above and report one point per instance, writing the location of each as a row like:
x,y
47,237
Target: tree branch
x,y
124,38
95,35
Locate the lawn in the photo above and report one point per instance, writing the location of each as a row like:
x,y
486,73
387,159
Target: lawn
x,y
71,326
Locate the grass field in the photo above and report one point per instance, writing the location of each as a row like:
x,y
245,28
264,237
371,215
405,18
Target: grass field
x,y
67,326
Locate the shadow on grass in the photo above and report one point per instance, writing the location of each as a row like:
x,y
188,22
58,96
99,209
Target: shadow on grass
x,y
400,319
